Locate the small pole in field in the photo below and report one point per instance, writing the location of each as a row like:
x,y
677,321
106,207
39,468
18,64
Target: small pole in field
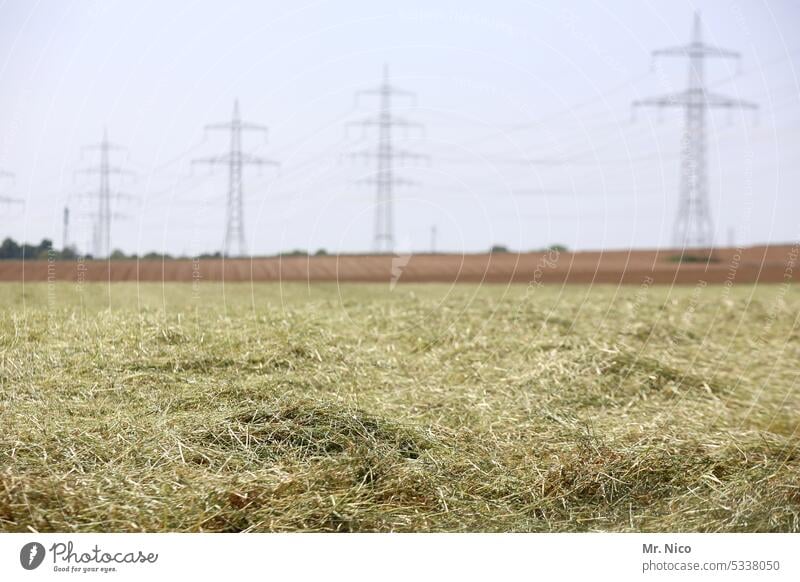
x,y
65,241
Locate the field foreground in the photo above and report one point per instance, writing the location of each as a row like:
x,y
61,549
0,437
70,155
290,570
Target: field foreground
x,y
286,407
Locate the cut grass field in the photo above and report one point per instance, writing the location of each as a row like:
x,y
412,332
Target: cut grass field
x,y
427,408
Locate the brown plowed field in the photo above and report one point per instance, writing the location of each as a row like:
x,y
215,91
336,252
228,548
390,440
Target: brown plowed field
x,y
763,264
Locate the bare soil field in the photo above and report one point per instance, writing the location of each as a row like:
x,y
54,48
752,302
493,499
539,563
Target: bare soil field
x,y
766,264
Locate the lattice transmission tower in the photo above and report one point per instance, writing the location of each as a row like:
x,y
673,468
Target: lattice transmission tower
x,y
235,160
693,224
8,199
385,155
101,232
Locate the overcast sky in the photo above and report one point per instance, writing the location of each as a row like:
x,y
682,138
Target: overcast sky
x,y
498,84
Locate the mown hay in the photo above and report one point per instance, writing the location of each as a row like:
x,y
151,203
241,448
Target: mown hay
x,y
421,409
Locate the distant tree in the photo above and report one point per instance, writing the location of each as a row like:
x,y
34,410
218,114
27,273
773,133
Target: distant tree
x,y
217,255
321,253
69,253
10,249
498,249
156,256
41,251
117,255
558,248
295,253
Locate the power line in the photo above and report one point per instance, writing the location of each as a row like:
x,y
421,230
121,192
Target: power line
x,y
693,225
613,125
385,179
235,159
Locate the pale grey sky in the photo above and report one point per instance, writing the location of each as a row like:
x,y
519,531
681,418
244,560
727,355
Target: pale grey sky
x,y
496,83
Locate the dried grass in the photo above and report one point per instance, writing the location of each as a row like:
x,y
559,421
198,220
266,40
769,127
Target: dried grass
x,y
425,409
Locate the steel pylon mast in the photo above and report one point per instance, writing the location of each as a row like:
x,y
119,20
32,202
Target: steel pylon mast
x,y
693,225
385,155
101,233
235,160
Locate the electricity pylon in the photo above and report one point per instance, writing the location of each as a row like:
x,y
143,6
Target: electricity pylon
x,y
385,155
235,159
693,225
9,199
101,233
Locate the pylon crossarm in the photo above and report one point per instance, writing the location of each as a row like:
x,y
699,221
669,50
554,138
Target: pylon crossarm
x,y
713,51
714,100
104,170
213,160
396,154
696,50
248,159
253,127
402,122
672,100
385,119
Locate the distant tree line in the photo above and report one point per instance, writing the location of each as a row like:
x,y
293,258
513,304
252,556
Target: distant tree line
x,y
504,249
118,255
302,253
12,250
